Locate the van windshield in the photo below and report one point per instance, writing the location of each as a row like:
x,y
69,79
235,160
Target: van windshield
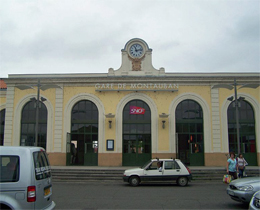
x,y
42,166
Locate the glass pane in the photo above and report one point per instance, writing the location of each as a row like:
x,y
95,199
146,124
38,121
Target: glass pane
x,y
43,128
88,138
243,114
81,128
94,128
250,115
74,127
140,128
31,128
147,128
88,105
178,128
192,127
24,128
81,105
185,127
133,128
126,137
200,138
9,167
126,128
199,127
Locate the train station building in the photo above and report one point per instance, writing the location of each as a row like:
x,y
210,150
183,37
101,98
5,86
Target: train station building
x,y
126,116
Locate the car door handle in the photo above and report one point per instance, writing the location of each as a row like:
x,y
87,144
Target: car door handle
x,y
178,170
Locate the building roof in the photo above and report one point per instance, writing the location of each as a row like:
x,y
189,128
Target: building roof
x,y
2,84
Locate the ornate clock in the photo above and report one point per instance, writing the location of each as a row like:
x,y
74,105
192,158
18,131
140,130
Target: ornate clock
x,y
136,50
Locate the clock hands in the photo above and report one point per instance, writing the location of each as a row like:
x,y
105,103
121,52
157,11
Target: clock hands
x,y
136,50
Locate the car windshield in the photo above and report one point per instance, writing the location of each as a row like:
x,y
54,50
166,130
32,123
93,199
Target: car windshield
x,y
145,165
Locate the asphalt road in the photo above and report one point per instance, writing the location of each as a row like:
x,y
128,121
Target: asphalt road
x,y
119,195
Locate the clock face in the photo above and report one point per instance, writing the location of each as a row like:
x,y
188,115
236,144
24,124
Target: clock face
x,y
136,50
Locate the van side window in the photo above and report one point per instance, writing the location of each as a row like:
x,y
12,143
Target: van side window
x,y
41,164
10,167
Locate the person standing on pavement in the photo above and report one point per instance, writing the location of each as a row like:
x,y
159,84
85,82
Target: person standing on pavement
x,y
241,163
232,166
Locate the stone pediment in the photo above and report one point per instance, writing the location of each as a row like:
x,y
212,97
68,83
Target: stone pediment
x,y
136,61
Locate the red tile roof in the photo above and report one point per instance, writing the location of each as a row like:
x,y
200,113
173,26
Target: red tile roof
x,y
2,84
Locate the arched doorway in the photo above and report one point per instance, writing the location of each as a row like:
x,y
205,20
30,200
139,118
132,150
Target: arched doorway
x,y
28,123
246,131
189,128
136,133
2,126
84,134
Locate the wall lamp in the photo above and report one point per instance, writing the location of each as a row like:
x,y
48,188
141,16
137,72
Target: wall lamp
x,y
163,124
230,98
35,101
110,116
163,115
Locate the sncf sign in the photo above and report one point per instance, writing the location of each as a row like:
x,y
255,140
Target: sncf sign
x,y
136,110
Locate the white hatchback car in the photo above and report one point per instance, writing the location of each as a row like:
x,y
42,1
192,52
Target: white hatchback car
x,y
159,170
25,178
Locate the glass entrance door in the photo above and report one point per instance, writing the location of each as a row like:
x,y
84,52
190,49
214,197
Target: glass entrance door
x,y
82,150
183,148
136,149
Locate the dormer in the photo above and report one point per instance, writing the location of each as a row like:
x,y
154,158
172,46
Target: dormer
x,y
136,60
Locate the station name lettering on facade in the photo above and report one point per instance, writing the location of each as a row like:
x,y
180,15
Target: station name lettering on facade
x,y
136,86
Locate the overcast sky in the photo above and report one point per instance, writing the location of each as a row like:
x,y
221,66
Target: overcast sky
x,y
86,36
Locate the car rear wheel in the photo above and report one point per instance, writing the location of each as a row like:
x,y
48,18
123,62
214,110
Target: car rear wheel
x,y
134,181
182,181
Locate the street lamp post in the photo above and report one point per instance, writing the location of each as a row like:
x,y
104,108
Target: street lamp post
x,y
37,114
237,117
230,87
37,103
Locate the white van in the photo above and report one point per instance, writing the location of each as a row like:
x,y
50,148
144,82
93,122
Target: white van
x,y
25,178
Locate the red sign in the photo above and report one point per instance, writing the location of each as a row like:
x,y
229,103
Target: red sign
x,y
136,110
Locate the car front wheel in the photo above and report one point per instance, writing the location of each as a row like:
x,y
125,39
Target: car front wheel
x,y
182,181
134,181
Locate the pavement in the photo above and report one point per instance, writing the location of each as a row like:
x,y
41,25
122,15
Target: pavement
x,y
128,167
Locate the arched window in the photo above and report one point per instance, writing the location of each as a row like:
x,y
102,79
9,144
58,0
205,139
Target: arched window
x,y
246,130
84,133
136,133
28,122
2,126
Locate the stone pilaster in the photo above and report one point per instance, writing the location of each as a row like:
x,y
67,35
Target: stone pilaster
x,y
216,137
9,112
58,120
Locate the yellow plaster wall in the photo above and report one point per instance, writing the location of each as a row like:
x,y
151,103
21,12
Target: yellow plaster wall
x,y
2,100
163,100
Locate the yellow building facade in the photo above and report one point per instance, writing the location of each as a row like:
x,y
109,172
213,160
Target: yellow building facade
x,y
129,115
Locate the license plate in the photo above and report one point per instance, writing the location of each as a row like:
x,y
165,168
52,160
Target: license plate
x,y
47,191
